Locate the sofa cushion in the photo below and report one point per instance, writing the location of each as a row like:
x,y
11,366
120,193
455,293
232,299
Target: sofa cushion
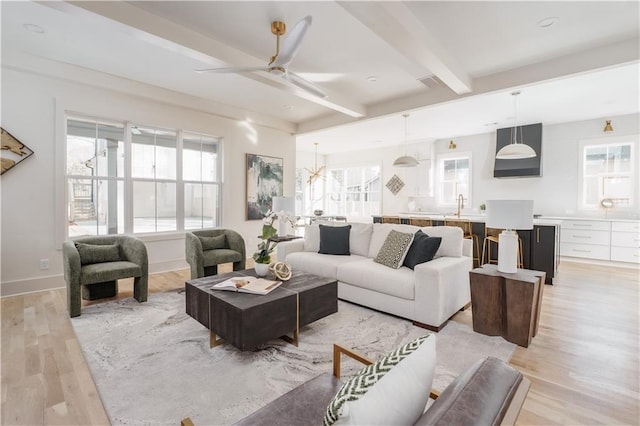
x,y
108,271
451,244
212,243
380,232
423,249
376,277
216,257
334,240
393,390
359,237
394,249
325,265
98,253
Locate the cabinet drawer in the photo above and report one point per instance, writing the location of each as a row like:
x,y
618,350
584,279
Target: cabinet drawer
x,y
625,254
595,225
625,239
626,227
580,236
584,250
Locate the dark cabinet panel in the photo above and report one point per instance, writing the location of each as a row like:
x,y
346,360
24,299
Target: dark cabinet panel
x,y
543,250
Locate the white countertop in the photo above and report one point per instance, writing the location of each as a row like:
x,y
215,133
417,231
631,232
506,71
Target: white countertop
x,y
479,218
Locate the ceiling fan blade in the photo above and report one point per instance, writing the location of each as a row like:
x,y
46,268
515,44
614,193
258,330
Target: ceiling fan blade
x,y
304,84
231,70
291,42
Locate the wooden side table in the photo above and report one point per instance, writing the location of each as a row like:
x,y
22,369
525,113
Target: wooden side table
x,y
506,305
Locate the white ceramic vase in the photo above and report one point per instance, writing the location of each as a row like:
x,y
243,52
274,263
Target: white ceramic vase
x,y
261,269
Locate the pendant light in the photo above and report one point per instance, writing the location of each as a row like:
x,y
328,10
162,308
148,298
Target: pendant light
x,y
405,160
515,150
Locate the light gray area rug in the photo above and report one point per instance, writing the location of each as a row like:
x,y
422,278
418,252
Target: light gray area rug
x,y
152,363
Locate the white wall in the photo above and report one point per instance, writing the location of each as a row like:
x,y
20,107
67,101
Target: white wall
x,y
555,193
32,223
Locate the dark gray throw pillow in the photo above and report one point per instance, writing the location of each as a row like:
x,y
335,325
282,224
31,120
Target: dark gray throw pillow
x,y
212,243
422,249
334,239
98,253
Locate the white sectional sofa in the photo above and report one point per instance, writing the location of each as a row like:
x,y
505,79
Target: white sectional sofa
x,y
429,295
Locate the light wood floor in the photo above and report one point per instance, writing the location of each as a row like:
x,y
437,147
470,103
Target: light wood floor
x,y
583,364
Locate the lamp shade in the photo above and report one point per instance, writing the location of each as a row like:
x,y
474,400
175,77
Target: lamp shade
x,y
284,204
405,161
515,151
510,214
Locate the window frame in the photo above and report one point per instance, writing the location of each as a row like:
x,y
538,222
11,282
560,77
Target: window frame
x,y
63,178
583,145
361,194
441,158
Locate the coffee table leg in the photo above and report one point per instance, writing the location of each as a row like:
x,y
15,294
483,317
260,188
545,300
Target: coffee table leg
x,y
214,341
294,340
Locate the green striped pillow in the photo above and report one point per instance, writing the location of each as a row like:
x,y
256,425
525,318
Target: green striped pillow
x,y
393,390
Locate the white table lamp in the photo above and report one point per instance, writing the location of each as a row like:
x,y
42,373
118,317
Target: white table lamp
x,y
286,205
509,215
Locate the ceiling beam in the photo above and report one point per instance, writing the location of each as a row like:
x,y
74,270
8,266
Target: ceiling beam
x,y
394,23
171,36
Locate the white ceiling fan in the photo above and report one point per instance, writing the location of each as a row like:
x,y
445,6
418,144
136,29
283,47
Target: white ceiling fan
x,y
284,55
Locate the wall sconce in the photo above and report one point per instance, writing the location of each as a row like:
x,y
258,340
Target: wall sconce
x,y
607,127
452,145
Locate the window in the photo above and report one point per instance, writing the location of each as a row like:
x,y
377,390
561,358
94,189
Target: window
x,y
608,172
354,191
454,174
95,177
149,180
201,181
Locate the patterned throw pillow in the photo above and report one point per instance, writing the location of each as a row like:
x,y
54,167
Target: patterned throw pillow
x,y
394,249
98,253
212,243
393,390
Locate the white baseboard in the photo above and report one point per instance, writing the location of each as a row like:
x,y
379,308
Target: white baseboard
x,y
53,282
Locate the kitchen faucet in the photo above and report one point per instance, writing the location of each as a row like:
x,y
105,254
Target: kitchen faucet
x,y
460,204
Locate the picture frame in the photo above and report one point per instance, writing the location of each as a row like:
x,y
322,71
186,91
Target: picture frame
x,y
264,177
13,152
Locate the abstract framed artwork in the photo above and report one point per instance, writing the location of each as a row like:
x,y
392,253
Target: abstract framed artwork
x,y
13,152
264,181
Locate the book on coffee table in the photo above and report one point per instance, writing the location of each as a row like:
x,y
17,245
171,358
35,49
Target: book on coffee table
x,y
251,285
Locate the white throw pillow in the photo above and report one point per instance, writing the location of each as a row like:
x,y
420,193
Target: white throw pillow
x,y
394,390
452,237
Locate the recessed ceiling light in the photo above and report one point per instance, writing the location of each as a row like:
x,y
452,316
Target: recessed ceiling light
x,y
372,79
548,21
34,28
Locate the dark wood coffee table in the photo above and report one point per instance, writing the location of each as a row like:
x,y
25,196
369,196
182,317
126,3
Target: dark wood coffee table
x,y
248,320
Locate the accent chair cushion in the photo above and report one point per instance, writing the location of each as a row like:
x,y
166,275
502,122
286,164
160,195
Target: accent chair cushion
x,y
394,390
98,253
394,249
218,256
334,240
423,249
213,243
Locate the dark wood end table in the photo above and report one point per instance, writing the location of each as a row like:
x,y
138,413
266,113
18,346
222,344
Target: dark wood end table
x,y
506,305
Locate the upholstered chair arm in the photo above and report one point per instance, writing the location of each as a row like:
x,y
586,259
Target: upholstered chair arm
x,y
193,253
236,242
134,250
71,261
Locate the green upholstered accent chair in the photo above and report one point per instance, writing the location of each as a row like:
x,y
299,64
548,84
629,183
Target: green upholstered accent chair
x,y
93,266
208,248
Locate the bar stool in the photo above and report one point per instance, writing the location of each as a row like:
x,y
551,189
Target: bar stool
x,y
465,225
391,219
420,221
492,235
